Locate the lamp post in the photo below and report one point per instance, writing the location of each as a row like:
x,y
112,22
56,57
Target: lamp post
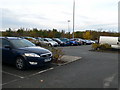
x,y
68,28
73,17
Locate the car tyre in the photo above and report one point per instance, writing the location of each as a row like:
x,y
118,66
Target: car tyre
x,y
20,63
50,45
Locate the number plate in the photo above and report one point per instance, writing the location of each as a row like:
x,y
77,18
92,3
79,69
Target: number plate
x,y
47,60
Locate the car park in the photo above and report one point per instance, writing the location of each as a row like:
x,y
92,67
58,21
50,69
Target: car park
x,y
23,53
50,41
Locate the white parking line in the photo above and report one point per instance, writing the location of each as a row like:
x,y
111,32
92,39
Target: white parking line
x,y
41,72
23,77
108,80
13,74
8,82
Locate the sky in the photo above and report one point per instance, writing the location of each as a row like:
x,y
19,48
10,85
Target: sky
x,y
49,14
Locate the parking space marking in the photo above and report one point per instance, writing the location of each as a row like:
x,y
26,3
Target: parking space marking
x,y
8,82
24,77
12,74
108,81
41,72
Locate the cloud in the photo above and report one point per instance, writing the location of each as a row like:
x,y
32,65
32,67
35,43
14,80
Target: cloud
x,y
48,14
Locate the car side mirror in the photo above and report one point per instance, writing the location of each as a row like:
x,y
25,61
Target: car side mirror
x,y
7,46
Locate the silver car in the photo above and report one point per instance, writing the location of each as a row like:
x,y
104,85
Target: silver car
x,y
41,42
50,41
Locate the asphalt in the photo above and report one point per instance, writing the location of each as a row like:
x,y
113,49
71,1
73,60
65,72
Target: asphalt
x,y
94,70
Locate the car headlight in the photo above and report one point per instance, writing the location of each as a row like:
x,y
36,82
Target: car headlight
x,y
31,55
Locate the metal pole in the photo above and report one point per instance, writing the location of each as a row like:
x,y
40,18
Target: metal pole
x,y
68,28
73,17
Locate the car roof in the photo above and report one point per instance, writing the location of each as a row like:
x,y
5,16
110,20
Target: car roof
x,y
11,37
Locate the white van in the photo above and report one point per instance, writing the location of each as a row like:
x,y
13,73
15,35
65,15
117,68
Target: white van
x,y
113,41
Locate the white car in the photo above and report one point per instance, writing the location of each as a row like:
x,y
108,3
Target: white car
x,y
50,41
92,41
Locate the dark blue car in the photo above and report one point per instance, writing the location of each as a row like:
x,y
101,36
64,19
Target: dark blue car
x,y
22,53
65,41
73,42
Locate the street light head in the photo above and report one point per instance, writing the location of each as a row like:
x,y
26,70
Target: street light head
x,y
68,20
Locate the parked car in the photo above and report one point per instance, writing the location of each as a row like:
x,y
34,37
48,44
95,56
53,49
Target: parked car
x,y
92,41
50,41
96,41
23,53
61,43
83,41
66,41
33,40
88,42
73,42
41,42
79,41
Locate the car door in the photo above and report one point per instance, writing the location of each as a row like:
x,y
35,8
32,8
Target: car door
x,y
7,53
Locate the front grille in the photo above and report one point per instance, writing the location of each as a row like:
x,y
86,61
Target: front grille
x,y
46,55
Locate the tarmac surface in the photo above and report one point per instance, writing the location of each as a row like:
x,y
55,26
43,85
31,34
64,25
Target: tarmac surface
x,y
93,70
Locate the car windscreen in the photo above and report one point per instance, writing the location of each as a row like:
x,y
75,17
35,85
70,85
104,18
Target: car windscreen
x,y
58,40
41,39
21,43
49,39
64,40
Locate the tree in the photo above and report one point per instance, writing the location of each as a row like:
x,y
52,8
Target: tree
x,y
87,35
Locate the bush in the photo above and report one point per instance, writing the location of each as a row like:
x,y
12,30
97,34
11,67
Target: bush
x,y
95,46
105,46
57,53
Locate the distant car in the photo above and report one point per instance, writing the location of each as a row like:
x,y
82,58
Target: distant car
x,y
41,42
61,43
33,40
96,41
79,41
23,53
50,41
83,41
92,41
66,41
88,42
73,42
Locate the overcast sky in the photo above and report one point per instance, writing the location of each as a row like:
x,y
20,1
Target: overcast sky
x,y
49,14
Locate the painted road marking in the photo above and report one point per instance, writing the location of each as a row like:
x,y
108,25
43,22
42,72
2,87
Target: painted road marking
x,y
8,82
41,72
24,77
12,74
108,80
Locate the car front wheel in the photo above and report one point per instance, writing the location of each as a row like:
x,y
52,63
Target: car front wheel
x,y
20,64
